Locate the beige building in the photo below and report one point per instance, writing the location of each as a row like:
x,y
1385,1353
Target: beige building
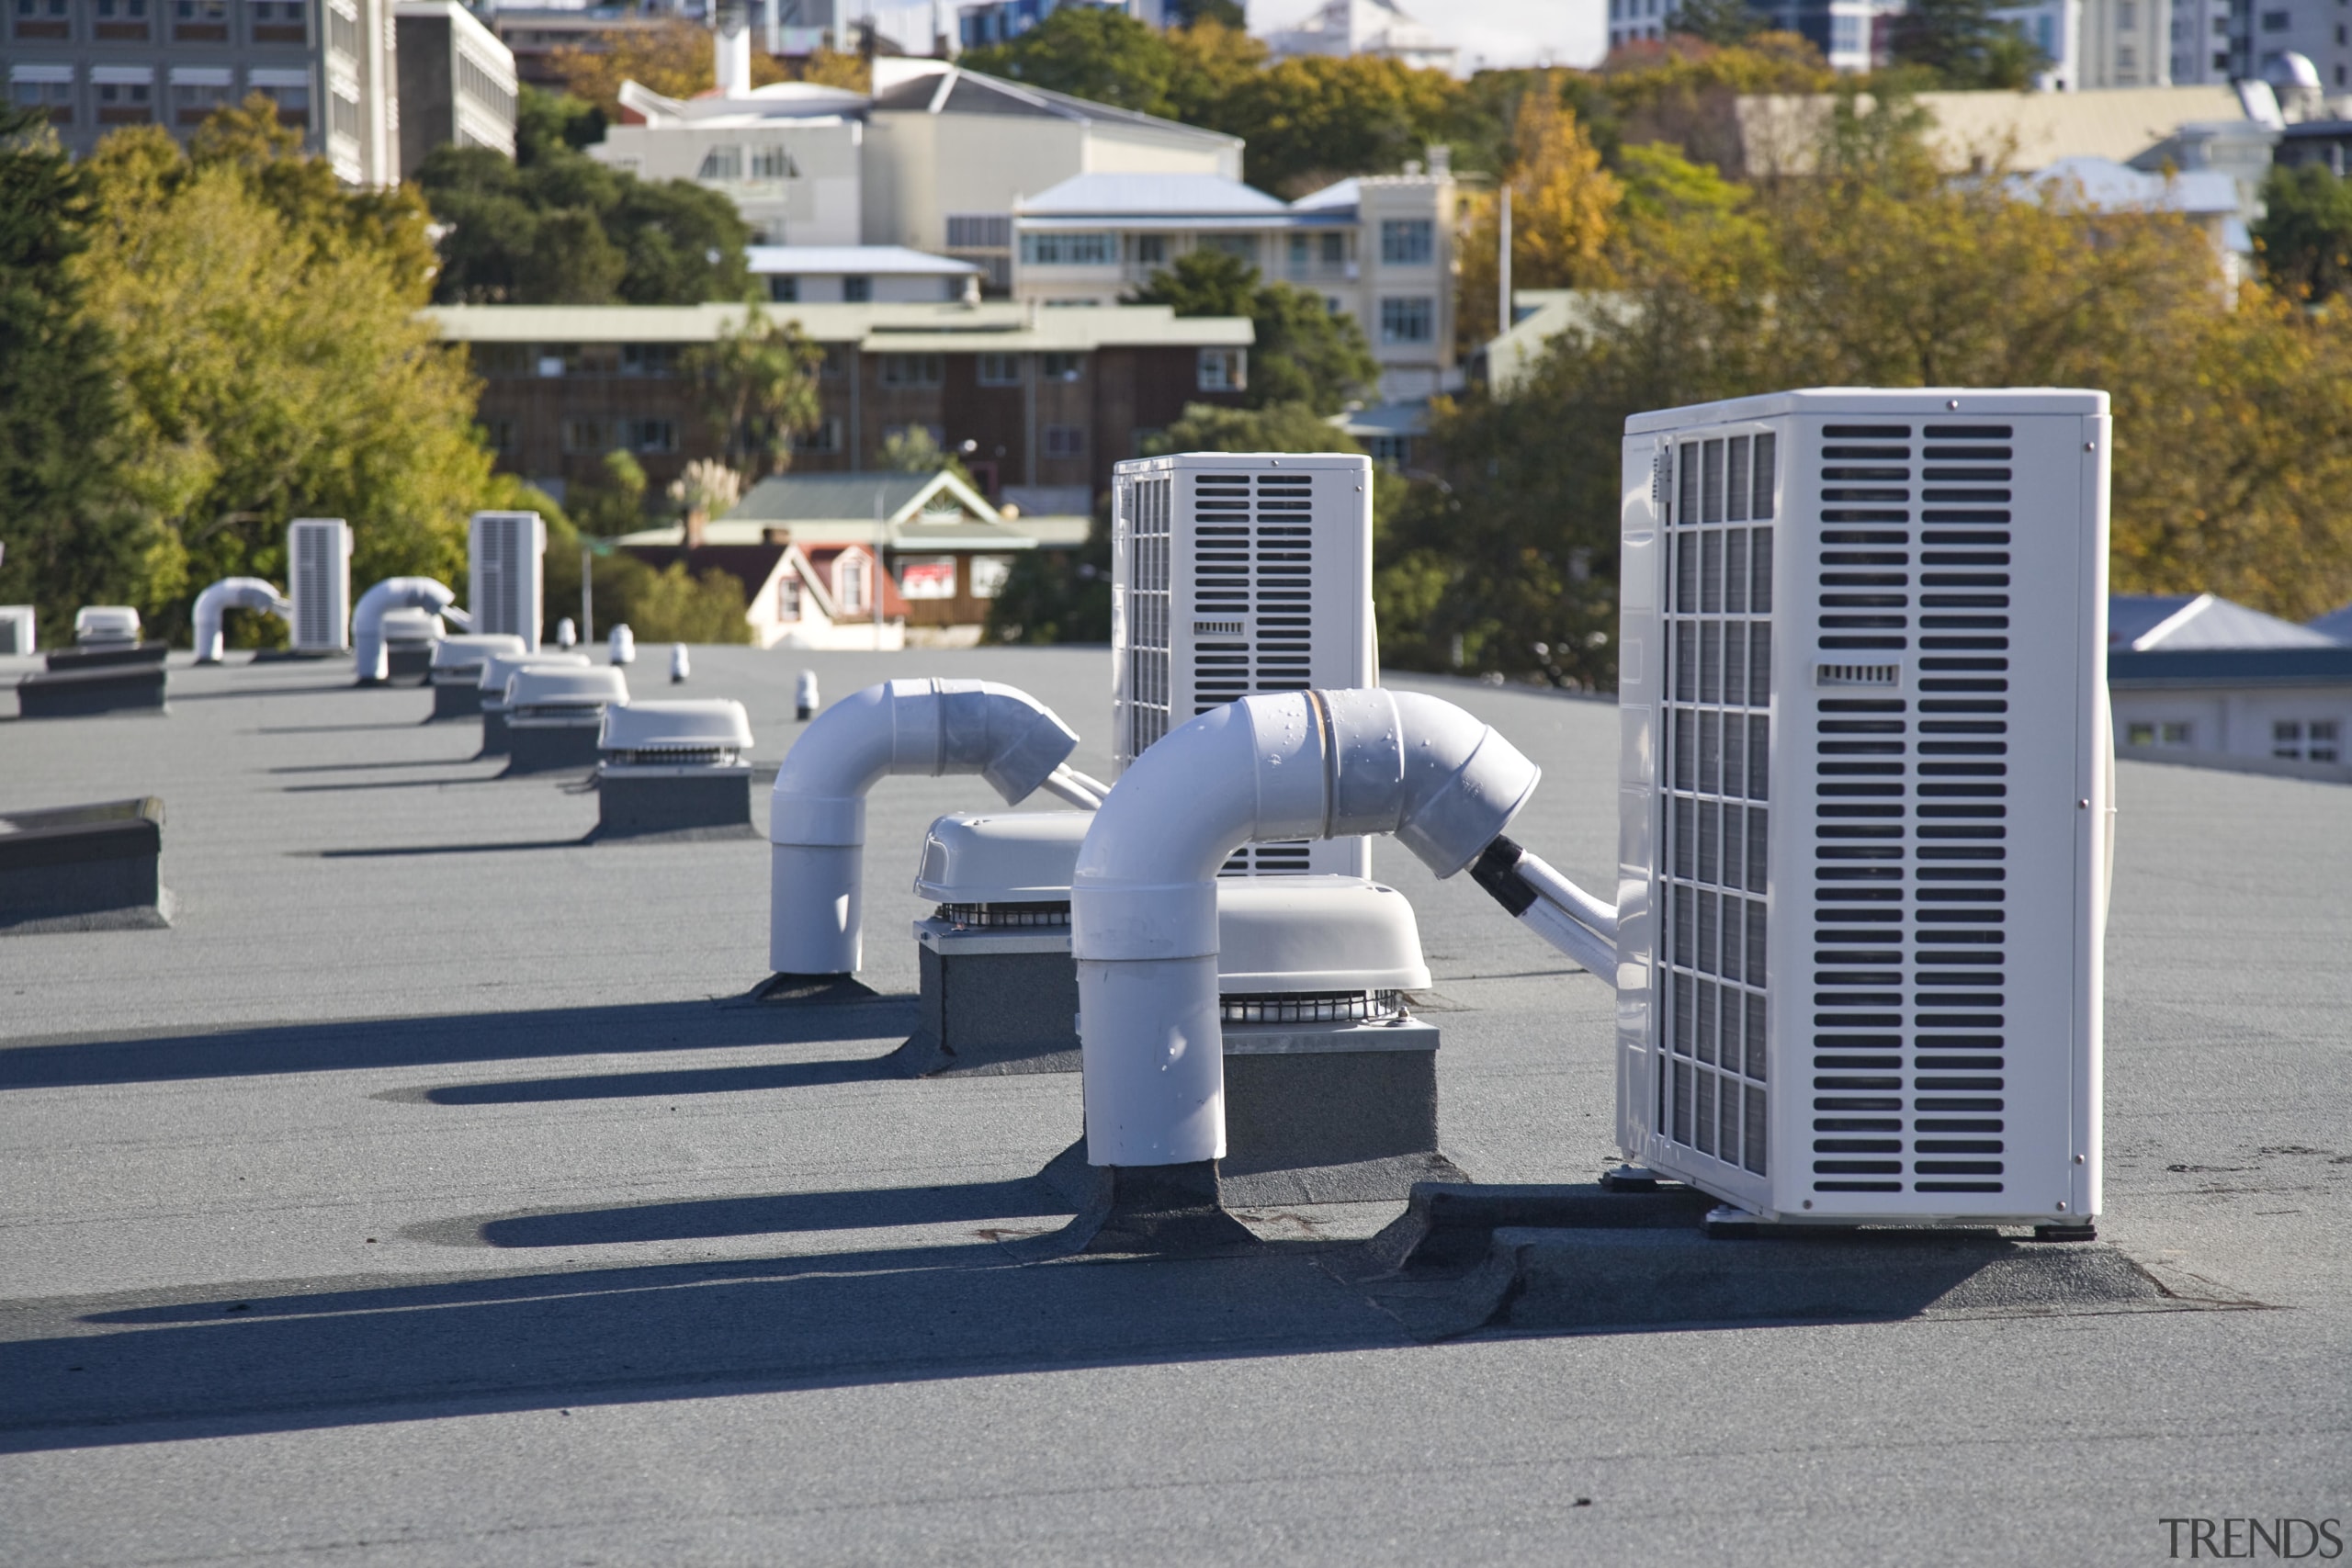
x,y
791,156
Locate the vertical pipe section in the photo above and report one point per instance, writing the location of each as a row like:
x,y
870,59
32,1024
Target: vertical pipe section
x,y
368,650
233,593
1143,902
816,814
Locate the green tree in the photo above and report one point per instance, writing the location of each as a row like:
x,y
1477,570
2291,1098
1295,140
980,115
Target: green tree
x,y
2305,234
1306,353
1964,45
545,121
1096,52
71,537
1056,596
1285,427
562,229
1313,118
1716,21
273,366
758,387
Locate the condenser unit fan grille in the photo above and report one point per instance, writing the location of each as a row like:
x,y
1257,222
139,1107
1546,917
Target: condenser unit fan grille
x,y
316,585
1712,1095
1151,507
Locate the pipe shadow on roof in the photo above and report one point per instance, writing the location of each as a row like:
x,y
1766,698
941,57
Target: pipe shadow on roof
x,y
366,1044
653,1086
751,1214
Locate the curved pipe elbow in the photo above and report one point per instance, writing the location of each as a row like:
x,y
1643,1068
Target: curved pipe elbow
x,y
1143,901
367,648
816,814
233,593
930,727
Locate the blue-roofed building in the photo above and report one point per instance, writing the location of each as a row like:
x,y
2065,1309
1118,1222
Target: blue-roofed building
x,y
2197,679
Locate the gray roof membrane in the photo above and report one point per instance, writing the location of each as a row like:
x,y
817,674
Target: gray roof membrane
x,y
428,1193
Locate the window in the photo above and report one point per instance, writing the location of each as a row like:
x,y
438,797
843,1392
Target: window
x,y
193,102
498,435
1411,320
2126,59
2127,16
1406,242
823,440
125,103
120,21
857,289
836,363
849,583
343,116
721,163
910,370
293,101
2316,740
1065,441
771,161
591,359
2277,21
1060,367
1223,371
1243,247
649,359
200,21
655,435
999,369
280,21
927,576
784,289
1068,250
788,597
987,574
343,31
1845,34
583,436
1394,450
42,18
55,96
1151,250
979,232
2167,732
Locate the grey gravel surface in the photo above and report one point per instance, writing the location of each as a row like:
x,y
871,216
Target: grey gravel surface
x,y
427,1195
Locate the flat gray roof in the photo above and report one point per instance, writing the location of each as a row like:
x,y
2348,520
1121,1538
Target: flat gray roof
x,y
423,1197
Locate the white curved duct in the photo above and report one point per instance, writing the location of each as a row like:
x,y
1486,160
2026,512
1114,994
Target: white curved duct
x,y
233,593
817,814
367,649
1143,903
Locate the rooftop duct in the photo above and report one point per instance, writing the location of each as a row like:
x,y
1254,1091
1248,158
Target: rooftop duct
x,y
817,814
233,593
370,637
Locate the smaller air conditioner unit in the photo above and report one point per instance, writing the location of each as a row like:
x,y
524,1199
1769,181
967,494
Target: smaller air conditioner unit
x,y
318,579
674,767
1236,573
506,587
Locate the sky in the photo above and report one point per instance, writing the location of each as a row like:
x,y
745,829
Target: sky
x,y
1488,32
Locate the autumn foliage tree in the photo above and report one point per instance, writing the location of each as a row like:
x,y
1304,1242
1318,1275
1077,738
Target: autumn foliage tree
x,y
1562,203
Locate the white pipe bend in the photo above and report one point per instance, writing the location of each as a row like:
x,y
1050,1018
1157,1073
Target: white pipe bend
x,y
367,649
1143,901
816,813
233,593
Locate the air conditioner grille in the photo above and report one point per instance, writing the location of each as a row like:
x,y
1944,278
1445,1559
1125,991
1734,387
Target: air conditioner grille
x,y
1149,644
1713,1098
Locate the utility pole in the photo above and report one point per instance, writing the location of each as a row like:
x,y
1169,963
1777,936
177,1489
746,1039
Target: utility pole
x,y
1502,269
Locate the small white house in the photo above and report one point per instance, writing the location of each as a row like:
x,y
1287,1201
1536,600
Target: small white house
x,y
2197,679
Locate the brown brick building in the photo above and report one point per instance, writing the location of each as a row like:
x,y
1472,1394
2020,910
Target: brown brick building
x,y
1049,398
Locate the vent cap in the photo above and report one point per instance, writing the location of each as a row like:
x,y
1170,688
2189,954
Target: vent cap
x,y
105,623
409,627
543,686
707,725
499,668
1000,857
468,652
1316,933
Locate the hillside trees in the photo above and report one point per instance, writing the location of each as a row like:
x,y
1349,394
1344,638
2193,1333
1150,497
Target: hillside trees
x,y
1304,353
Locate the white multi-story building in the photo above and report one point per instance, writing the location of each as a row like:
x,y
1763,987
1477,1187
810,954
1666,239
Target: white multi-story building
x,y
96,65
457,81
1378,27
1379,248
791,155
2267,34
2201,41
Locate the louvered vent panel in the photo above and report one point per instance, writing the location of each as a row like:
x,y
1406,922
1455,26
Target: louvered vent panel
x,y
1149,511
1713,1096
314,589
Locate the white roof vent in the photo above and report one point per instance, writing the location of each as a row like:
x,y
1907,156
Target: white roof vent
x,y
537,688
1316,933
105,623
469,651
411,627
713,729
499,668
1003,857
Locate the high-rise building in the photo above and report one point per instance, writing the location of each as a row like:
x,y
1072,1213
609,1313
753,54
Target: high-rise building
x,y
456,81
95,66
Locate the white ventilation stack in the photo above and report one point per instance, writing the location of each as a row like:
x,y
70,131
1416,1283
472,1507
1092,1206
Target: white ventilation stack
x,y
498,669
1866,824
674,767
318,579
505,588
1233,574
555,715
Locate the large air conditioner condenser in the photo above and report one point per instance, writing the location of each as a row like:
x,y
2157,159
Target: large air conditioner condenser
x,y
318,579
1866,803
1236,573
505,587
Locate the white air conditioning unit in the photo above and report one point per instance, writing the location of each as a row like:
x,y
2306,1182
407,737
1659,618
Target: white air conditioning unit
x,y
318,576
1234,573
505,589
1865,818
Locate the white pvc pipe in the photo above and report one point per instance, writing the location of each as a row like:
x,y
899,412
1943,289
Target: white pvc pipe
x,y
1063,784
233,593
1590,912
816,814
1143,902
368,650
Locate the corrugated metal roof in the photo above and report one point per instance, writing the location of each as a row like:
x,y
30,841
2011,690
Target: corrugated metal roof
x,y
880,261
2324,666
941,327
1145,194
2174,623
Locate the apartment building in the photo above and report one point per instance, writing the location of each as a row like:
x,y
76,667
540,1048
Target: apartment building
x,y
1850,34
1002,21
1376,28
2265,34
1379,248
95,66
1048,400
791,156
457,81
